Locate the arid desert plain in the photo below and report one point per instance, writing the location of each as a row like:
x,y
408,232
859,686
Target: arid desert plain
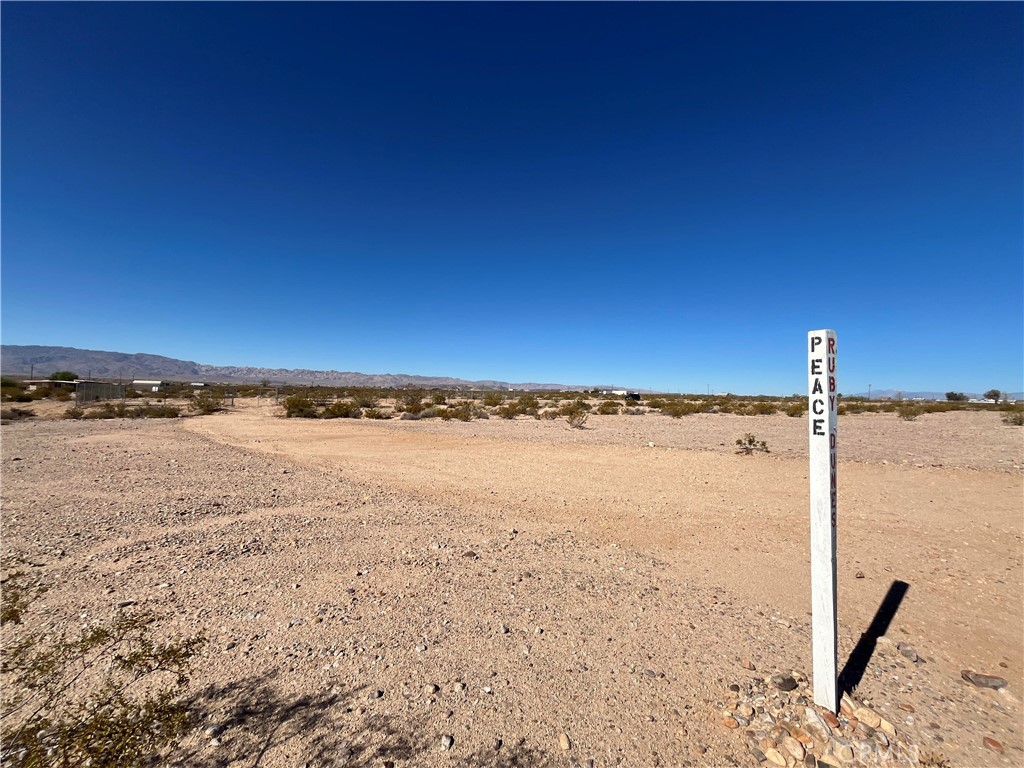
x,y
518,592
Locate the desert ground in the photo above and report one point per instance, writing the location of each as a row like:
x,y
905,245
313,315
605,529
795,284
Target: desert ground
x,y
497,593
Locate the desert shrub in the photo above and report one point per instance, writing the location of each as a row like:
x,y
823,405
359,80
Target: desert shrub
x,y
764,409
574,406
656,402
154,412
374,413
16,414
493,399
342,409
206,402
608,408
548,414
110,695
438,398
956,396
748,444
528,402
679,408
461,412
908,411
366,398
577,419
796,409
74,412
299,407
634,411
406,416
410,401
1014,417
507,411
7,381
431,413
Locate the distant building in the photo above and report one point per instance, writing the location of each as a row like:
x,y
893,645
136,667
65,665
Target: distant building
x,y
90,391
34,384
142,385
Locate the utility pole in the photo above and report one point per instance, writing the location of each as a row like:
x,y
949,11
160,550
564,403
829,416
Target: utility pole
x,y
869,392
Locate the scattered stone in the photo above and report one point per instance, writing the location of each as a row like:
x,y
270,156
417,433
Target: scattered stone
x,y
504,629
793,747
887,728
469,553
867,716
758,755
460,686
730,722
830,718
375,695
421,648
859,575
431,689
447,742
775,757
907,651
497,744
767,743
983,681
906,707
844,752
745,710
126,604
563,741
784,682
992,744
747,664
829,759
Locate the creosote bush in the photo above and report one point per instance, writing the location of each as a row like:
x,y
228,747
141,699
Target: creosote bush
x,y
493,399
15,414
299,407
507,411
110,695
206,402
908,411
796,409
748,444
374,413
342,409
608,408
1015,417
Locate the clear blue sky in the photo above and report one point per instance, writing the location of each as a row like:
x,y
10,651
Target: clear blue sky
x,y
663,196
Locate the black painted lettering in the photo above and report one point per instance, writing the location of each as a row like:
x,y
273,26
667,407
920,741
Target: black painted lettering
x,y
818,427
815,341
816,367
816,388
818,406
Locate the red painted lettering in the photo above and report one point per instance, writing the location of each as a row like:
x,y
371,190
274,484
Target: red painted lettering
x,y
831,383
831,345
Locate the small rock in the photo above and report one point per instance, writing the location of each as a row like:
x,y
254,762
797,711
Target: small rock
x,y
563,741
497,744
844,752
983,681
767,743
430,689
460,686
126,603
758,754
907,651
504,629
859,575
745,710
906,707
775,757
793,747
866,715
375,695
747,664
421,648
830,718
730,722
887,728
784,682
447,742
992,744
469,553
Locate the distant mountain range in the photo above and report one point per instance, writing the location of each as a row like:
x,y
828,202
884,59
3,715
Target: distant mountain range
x,y
41,361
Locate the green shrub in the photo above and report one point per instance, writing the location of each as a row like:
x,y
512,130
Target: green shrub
x,y
410,401
507,411
548,414
764,409
908,411
206,402
796,409
342,409
679,408
574,406
493,399
299,407
7,381
438,398
656,403
576,419
634,411
111,695
748,444
374,413
463,411
608,408
366,398
74,413
154,412
528,403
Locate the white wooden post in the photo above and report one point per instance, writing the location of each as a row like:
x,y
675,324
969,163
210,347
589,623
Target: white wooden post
x,y
822,434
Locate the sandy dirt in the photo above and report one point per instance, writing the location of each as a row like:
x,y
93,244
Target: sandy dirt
x,y
602,583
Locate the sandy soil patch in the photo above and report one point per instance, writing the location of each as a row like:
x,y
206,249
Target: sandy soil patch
x,y
547,581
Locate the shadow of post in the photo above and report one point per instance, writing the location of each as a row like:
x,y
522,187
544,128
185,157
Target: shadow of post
x,y
857,664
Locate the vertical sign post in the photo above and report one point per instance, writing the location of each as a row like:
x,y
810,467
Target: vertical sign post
x,y
822,434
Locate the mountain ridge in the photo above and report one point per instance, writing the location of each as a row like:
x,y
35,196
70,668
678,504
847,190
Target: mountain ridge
x,y
21,360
